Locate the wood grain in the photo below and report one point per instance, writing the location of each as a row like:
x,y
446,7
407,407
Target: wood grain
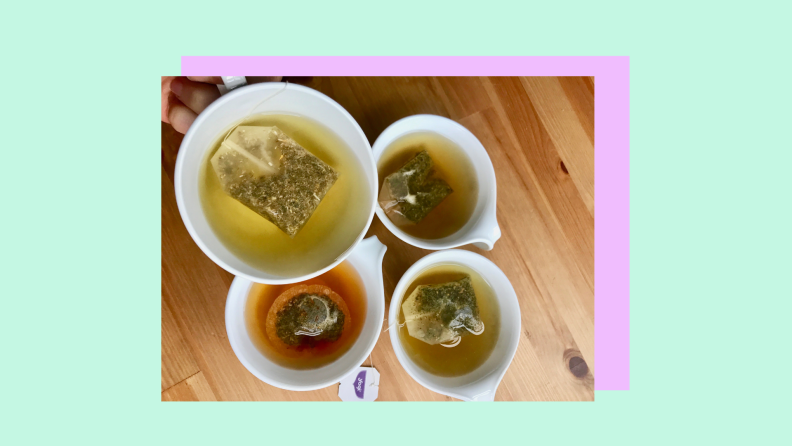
x,y
539,133
177,361
193,388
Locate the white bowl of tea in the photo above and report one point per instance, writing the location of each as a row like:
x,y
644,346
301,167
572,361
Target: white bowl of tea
x,y
437,186
312,354
276,182
454,324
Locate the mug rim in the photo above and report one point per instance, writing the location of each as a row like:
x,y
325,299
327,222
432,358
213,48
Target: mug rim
x,y
179,187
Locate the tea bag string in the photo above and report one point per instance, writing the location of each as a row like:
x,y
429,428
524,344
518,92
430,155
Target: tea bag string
x,y
285,84
371,364
454,342
395,324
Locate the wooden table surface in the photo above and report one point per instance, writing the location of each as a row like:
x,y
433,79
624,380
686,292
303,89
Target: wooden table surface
x,y
539,133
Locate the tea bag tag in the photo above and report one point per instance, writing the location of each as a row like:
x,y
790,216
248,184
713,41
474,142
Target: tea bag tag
x,y
360,385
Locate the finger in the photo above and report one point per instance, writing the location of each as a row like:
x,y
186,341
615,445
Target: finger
x,y
180,117
206,79
165,93
195,95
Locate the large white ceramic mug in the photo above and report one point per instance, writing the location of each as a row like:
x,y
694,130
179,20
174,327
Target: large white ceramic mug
x,y
265,98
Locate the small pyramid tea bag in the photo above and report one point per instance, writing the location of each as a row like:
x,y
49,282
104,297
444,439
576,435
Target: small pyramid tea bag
x,y
305,316
267,171
442,314
407,196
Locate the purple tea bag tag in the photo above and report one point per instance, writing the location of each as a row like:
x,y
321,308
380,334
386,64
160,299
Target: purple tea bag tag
x,y
360,385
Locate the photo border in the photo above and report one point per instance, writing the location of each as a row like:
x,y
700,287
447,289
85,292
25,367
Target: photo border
x,y
611,157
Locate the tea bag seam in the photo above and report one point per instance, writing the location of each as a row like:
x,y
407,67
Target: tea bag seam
x,y
235,147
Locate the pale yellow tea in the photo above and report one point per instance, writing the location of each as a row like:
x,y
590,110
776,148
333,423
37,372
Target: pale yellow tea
x,y
443,354
332,227
270,173
451,181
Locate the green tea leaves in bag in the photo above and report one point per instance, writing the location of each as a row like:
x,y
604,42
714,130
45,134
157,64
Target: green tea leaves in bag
x,y
441,314
267,171
407,195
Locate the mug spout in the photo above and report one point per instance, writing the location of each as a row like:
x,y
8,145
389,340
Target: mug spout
x,y
488,237
480,391
486,396
372,249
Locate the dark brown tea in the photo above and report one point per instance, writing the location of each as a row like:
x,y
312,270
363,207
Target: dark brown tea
x,y
347,299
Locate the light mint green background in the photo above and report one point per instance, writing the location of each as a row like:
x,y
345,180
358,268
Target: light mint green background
x,y
710,197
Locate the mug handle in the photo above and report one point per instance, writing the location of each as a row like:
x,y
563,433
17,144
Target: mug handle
x,y
230,83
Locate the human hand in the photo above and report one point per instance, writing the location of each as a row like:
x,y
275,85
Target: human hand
x,y
183,98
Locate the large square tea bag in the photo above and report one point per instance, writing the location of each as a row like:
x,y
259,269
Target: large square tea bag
x,y
271,174
407,196
439,314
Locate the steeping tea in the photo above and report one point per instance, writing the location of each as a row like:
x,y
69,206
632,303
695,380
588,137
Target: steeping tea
x,y
308,324
267,171
305,317
330,229
444,198
443,313
408,195
449,321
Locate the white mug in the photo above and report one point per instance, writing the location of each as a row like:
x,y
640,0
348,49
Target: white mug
x,y
366,259
482,228
481,383
264,98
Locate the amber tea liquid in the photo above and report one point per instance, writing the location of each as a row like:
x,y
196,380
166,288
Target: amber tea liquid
x,y
333,227
344,280
453,165
472,350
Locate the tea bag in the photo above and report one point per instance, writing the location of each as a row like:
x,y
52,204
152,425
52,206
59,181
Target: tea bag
x,y
407,196
440,314
305,315
267,171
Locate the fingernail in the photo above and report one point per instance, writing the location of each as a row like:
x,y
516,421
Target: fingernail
x,y
176,86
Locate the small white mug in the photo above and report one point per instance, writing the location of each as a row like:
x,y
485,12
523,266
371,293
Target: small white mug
x,y
366,259
481,383
482,228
